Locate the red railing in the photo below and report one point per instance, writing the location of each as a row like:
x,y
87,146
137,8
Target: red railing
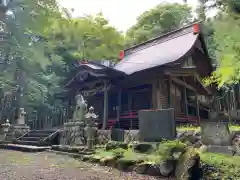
x,y
181,118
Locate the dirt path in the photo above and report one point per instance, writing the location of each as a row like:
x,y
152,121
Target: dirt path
x,y
48,166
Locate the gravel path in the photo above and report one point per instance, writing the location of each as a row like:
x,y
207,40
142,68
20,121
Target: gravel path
x,y
16,165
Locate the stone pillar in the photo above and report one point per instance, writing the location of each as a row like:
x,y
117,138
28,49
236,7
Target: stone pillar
x,y
105,107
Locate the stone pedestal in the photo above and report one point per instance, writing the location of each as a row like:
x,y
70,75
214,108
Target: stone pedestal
x,y
73,134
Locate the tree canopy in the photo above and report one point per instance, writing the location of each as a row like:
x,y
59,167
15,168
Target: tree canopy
x,y
41,41
161,19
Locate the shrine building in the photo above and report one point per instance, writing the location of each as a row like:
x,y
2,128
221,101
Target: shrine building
x,y
164,72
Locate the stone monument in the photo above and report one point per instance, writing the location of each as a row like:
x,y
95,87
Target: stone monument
x,y
155,125
91,128
73,133
215,134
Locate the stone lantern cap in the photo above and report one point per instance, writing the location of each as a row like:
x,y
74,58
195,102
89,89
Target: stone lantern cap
x,y
91,113
7,124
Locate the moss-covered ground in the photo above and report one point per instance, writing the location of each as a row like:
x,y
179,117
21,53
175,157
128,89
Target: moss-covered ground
x,y
215,166
221,166
197,128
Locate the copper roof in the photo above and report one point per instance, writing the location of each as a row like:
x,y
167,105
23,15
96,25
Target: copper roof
x,y
159,51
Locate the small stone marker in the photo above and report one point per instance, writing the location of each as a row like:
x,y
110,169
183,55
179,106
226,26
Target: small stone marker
x,y
155,125
215,134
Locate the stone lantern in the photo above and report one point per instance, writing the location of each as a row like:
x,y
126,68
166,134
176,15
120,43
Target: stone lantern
x,y
5,128
91,127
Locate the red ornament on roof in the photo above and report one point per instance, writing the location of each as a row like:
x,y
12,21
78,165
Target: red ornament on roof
x,y
121,55
196,29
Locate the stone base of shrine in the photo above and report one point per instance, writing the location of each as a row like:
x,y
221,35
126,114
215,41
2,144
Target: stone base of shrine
x,y
16,131
73,134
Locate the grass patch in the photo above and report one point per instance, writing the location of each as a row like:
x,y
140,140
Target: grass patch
x,y
229,166
197,128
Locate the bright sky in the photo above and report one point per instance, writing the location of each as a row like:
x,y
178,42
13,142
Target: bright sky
x,y
121,13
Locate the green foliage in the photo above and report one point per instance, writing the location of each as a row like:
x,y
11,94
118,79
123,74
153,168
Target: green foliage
x,y
87,38
228,51
167,149
161,19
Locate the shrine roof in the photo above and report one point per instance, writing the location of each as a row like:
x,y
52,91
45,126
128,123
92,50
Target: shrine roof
x,y
159,51
92,69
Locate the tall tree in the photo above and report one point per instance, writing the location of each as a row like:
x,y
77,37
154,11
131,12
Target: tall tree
x,y
158,20
226,38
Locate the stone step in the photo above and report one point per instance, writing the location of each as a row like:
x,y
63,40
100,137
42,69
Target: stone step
x,y
43,131
40,135
29,143
24,148
31,138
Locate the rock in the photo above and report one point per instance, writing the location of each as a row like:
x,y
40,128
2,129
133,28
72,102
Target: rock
x,y
141,168
94,158
203,148
124,164
186,161
142,147
109,160
197,144
153,170
197,133
85,158
236,146
167,167
180,134
114,145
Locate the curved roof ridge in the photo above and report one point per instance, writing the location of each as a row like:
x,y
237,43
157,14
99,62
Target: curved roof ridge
x,y
163,35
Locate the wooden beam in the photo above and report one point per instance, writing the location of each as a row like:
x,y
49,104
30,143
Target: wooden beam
x,y
182,83
200,81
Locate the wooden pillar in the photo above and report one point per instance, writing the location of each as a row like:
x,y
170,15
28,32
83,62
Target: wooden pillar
x,y
158,94
197,107
105,106
119,100
154,97
130,101
170,94
185,101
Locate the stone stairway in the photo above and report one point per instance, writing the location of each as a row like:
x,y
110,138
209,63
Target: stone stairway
x,y
46,137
